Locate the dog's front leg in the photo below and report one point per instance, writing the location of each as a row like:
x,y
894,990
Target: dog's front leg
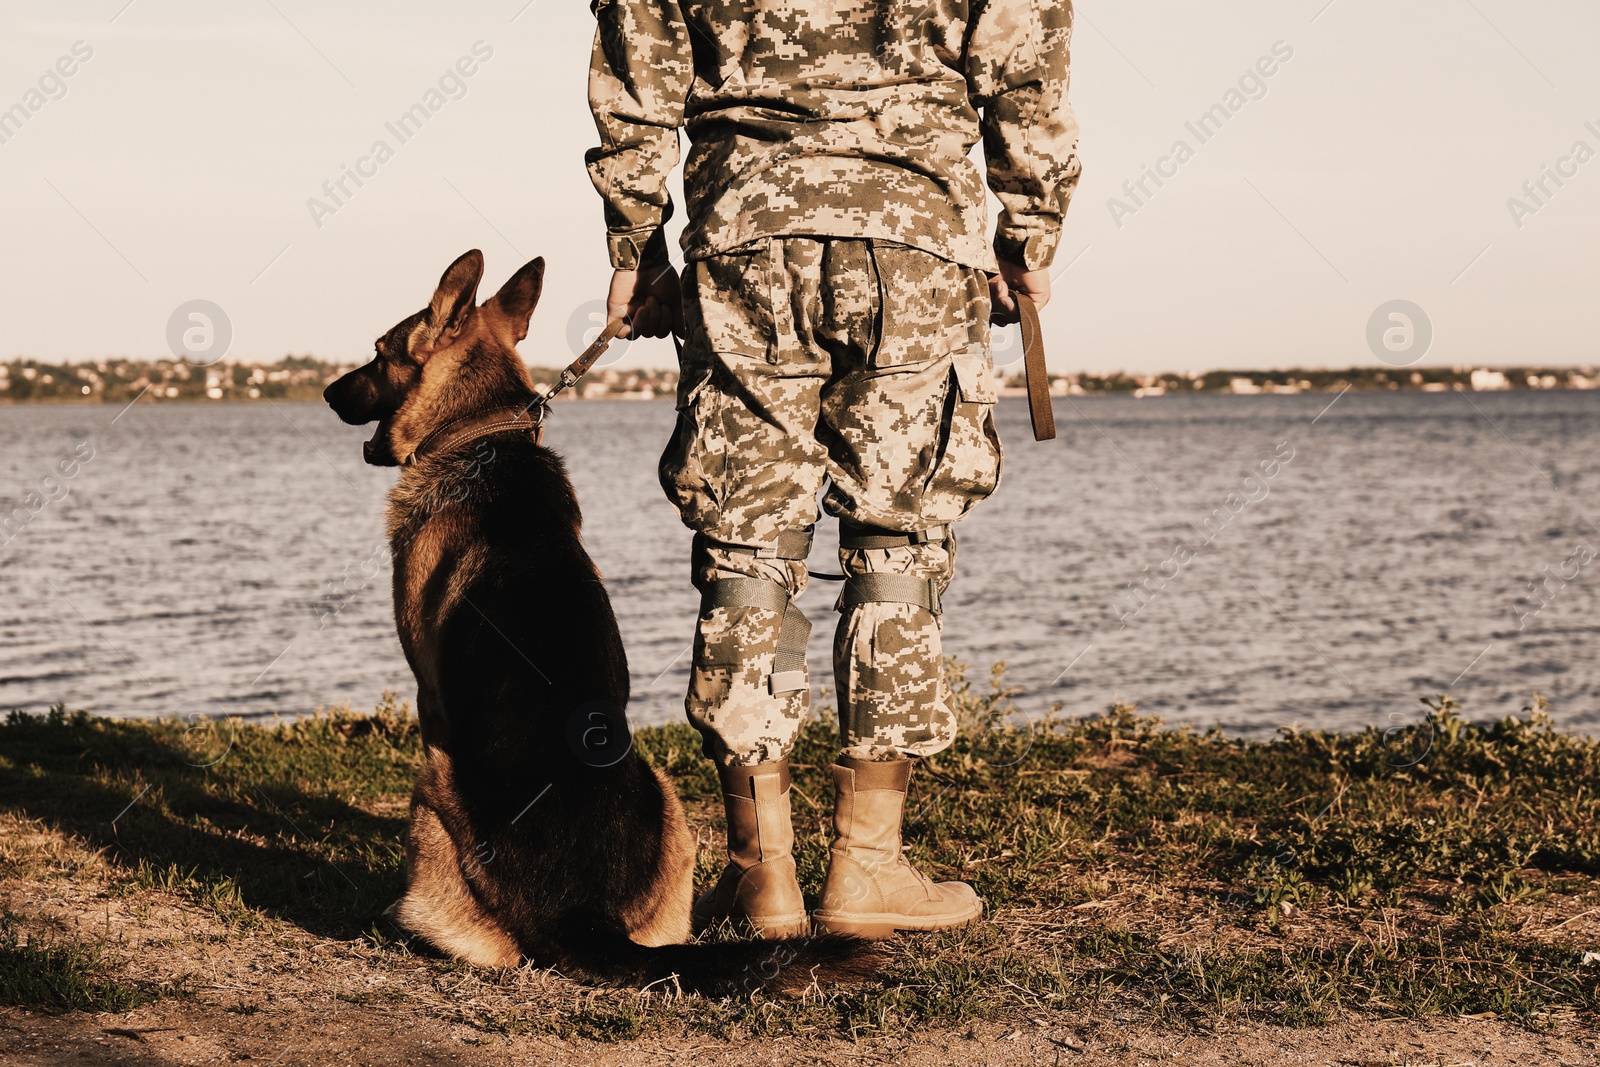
x,y
438,904
661,916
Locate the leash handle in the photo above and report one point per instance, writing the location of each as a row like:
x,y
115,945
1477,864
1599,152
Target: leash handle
x,y
1039,408
580,366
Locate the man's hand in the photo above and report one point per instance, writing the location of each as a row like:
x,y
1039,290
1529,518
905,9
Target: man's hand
x,y
1012,279
648,298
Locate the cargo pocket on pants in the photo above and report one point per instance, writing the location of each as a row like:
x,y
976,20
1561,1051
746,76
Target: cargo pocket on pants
x,y
735,306
693,468
968,466
922,306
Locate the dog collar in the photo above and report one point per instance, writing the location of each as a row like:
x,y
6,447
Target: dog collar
x,y
461,431
472,427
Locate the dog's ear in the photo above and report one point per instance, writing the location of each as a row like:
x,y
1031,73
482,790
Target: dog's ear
x,y
515,301
456,296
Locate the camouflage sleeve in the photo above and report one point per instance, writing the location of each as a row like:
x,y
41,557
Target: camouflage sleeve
x,y
639,77
1017,73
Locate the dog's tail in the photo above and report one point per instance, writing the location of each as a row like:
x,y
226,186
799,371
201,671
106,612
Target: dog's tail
x,y
722,969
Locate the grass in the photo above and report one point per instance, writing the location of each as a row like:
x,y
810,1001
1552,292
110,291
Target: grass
x,y
58,975
1129,868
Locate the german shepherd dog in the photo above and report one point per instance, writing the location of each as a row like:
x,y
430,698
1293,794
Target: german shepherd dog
x,y
536,831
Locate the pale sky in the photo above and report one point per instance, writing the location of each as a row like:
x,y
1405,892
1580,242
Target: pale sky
x,y
177,160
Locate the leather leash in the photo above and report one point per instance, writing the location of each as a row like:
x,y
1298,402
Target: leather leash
x,y
580,366
1039,409
461,431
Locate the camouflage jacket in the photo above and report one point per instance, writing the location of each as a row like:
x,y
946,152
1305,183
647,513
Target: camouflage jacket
x,y
834,117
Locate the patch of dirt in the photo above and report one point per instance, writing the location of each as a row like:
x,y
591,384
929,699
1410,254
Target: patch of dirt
x,y
268,992
319,1032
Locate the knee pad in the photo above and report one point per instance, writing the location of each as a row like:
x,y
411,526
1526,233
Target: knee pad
x,y
789,665
878,587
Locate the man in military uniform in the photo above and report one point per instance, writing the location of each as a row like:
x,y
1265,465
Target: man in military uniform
x,y
839,285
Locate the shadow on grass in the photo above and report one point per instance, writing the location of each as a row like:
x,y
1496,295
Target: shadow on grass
x,y
248,821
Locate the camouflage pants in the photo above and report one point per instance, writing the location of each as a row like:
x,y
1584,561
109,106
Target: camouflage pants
x,y
865,363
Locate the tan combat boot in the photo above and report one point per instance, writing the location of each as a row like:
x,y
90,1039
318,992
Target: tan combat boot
x,y
871,890
759,885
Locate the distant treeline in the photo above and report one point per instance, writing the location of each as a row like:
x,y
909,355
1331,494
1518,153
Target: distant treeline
x,y
290,378
303,378
1376,379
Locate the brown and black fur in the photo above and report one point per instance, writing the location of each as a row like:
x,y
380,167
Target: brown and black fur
x,y
532,834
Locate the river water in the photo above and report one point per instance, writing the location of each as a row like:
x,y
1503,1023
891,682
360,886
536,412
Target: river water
x,y
1248,562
